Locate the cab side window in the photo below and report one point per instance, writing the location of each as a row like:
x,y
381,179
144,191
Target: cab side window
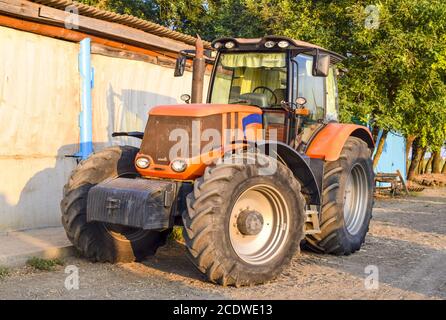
x,y
332,97
310,87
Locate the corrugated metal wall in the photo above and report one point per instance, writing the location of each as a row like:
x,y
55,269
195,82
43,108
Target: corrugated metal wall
x,y
39,109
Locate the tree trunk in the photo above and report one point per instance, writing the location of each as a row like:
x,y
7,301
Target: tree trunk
x,y
375,132
436,162
428,166
444,168
421,165
379,149
409,142
417,154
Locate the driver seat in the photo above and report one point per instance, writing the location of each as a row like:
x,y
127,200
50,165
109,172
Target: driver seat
x,y
280,94
257,99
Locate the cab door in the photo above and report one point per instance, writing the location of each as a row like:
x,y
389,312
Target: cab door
x,y
321,96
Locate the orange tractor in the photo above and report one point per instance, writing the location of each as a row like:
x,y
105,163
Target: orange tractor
x,y
259,170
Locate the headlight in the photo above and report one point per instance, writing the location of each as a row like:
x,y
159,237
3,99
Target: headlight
x,y
142,163
217,45
283,44
270,44
229,45
178,165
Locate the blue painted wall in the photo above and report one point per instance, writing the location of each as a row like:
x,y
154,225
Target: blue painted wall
x,y
394,153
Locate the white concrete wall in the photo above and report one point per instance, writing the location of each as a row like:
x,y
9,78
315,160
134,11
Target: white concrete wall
x,y
39,108
124,92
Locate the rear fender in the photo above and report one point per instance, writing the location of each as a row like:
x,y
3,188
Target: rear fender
x,y
328,143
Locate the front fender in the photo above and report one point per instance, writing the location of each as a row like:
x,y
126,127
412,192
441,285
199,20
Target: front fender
x,y
328,143
308,171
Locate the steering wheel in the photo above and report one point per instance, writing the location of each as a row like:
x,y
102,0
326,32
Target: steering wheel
x,y
267,89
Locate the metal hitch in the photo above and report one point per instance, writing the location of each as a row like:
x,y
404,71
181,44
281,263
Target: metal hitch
x,y
139,203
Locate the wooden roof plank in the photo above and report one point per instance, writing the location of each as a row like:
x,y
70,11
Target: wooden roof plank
x,y
114,31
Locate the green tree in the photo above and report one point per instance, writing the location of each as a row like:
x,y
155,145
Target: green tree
x,y
396,58
144,9
209,18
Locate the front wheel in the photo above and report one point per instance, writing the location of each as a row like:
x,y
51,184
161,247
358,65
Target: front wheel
x,y
242,227
102,241
347,201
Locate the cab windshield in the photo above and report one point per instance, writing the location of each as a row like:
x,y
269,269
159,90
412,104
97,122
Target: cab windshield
x,y
251,78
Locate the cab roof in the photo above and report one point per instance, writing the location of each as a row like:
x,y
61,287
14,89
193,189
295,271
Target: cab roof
x,y
255,44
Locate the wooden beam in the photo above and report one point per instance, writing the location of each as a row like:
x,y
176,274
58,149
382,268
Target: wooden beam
x,y
72,35
99,45
403,182
17,8
108,51
125,54
113,31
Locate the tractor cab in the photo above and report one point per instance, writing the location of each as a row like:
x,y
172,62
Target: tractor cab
x,y
293,82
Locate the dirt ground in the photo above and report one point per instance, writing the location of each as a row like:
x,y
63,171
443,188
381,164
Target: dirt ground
x,y
407,243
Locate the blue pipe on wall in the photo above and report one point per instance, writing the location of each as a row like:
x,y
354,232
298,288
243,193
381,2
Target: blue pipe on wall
x,y
86,114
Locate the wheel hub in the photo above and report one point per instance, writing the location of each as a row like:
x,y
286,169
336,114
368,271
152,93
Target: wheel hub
x,y
259,224
249,222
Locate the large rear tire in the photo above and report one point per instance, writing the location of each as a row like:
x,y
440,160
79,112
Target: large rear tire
x,y
96,240
347,201
221,206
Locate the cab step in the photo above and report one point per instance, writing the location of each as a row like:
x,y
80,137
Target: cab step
x,y
312,222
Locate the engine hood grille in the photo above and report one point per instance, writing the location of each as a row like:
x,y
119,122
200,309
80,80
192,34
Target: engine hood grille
x,y
166,134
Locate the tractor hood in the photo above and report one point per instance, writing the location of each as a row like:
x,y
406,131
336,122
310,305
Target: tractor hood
x,y
201,110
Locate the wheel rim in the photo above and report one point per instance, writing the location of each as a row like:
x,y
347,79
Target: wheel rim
x,y
355,199
264,246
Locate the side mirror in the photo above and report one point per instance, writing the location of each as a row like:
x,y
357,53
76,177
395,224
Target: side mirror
x,y
321,64
180,65
185,97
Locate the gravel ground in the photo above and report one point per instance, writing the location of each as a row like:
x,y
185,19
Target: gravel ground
x,y
407,242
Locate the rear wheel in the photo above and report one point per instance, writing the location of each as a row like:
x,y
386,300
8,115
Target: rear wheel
x,y
102,241
242,227
347,201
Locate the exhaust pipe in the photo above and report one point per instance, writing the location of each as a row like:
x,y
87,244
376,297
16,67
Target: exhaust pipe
x,y
199,67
